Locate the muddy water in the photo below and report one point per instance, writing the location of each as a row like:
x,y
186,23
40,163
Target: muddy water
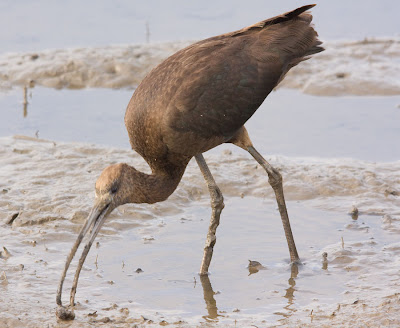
x,y
47,190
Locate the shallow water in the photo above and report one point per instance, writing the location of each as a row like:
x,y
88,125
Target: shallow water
x,y
333,152
288,123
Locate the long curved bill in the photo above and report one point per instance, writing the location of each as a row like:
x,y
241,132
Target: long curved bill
x,y
94,222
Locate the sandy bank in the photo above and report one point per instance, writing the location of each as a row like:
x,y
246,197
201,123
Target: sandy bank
x,y
369,67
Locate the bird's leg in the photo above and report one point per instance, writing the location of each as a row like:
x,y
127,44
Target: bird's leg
x,y
217,204
275,180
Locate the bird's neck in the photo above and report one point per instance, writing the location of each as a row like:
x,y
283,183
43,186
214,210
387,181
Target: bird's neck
x,y
155,187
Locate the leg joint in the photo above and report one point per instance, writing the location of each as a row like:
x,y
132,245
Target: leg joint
x,y
274,178
217,199
210,242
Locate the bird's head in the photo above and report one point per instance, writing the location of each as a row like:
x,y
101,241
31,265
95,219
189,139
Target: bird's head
x,y
118,184
112,187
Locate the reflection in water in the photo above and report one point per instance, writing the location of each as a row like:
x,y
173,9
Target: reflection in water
x,y
208,294
254,267
324,261
354,213
290,291
25,102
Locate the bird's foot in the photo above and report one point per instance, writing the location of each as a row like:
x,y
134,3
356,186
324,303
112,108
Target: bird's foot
x,y
64,313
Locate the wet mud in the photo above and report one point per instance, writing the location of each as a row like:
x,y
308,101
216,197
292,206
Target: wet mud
x,y
361,68
143,269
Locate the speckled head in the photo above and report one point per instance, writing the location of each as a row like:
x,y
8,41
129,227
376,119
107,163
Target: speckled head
x,y
119,184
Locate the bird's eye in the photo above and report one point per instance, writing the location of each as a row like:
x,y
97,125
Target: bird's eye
x,y
114,188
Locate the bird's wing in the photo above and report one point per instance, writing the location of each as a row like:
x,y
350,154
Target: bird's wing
x,y
221,81
200,96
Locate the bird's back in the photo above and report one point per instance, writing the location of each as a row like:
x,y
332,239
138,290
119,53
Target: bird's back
x,y
202,95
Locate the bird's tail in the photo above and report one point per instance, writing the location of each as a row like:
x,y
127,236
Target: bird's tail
x,y
290,36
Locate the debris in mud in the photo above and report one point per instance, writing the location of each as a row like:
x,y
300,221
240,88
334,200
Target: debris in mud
x,y
254,263
392,192
387,219
3,278
41,261
324,261
148,240
146,320
93,314
25,219
254,267
341,75
18,267
124,311
13,217
354,212
30,242
180,322
139,270
102,320
112,307
5,254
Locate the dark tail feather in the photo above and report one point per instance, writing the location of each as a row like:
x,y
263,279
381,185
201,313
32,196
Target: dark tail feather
x,y
287,16
277,19
297,12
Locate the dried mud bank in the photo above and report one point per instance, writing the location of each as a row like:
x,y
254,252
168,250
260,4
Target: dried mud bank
x,y
368,67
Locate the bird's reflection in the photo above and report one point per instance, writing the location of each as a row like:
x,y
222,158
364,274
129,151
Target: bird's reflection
x,y
208,294
292,283
211,303
290,291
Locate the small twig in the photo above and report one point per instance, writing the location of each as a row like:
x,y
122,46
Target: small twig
x,y
25,102
25,95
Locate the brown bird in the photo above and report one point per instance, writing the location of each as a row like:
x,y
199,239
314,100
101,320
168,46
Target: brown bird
x,y
195,100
